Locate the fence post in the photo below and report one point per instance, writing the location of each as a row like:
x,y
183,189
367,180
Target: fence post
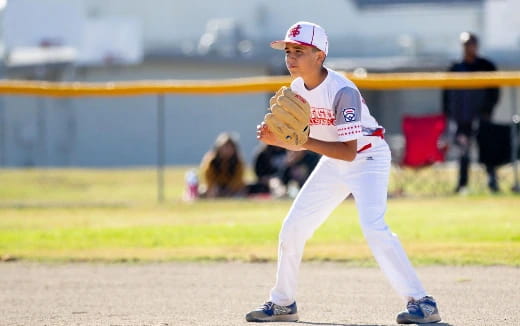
x,y
514,139
160,147
41,116
3,135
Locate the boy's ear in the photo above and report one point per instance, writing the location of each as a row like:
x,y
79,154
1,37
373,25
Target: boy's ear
x,y
320,55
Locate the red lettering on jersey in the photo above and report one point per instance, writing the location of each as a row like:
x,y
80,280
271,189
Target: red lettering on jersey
x,y
295,31
300,98
323,117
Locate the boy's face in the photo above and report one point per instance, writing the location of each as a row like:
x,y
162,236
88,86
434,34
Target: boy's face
x,y
302,59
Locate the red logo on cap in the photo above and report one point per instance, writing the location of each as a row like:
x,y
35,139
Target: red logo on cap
x,y
295,31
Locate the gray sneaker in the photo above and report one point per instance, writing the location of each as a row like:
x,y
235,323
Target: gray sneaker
x,y
272,312
420,311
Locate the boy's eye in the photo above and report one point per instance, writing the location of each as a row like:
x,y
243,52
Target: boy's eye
x,y
297,51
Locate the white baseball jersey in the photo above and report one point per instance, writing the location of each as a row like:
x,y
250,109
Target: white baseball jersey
x,y
339,112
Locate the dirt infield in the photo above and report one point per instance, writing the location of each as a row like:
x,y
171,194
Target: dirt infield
x,y
221,293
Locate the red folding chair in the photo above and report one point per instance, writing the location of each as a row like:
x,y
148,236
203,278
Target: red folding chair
x,y
422,136
423,147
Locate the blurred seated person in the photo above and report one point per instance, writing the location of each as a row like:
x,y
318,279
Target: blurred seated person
x,y
298,166
281,172
222,169
268,164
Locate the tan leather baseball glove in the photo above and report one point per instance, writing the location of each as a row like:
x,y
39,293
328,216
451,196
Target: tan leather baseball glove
x,y
289,117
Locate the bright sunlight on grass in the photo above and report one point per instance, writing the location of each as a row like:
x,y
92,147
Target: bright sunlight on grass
x,y
89,215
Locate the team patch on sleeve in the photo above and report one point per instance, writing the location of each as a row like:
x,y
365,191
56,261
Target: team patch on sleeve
x,y
349,114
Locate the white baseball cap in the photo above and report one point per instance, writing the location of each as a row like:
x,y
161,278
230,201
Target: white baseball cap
x,y
304,33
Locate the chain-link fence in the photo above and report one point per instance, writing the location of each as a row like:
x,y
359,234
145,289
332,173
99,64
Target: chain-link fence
x,y
98,143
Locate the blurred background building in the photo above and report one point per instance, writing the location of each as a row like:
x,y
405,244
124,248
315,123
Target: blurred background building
x,y
97,40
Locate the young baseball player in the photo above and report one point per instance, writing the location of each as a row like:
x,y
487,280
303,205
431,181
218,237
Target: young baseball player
x,y
355,160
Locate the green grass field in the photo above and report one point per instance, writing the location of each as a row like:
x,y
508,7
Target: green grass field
x,y
112,215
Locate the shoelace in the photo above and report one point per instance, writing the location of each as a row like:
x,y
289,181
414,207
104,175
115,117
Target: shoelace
x,y
412,305
416,304
268,305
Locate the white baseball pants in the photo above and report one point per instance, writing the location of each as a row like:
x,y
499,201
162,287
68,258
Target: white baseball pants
x,y
366,178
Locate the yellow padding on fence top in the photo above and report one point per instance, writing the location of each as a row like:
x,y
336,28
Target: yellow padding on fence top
x,y
381,81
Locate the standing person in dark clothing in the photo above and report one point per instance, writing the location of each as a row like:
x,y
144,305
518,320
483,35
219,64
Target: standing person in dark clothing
x,y
468,108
